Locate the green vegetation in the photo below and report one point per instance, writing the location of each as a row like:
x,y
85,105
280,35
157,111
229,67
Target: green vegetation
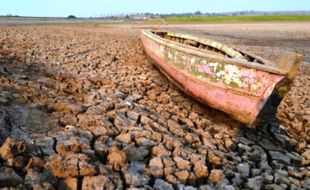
x,y
71,17
214,19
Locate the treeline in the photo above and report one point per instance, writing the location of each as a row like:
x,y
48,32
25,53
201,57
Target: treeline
x,y
200,13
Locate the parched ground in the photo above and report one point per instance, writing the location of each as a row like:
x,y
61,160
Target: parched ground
x,y
82,108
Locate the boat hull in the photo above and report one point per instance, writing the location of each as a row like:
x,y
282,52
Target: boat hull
x,y
208,80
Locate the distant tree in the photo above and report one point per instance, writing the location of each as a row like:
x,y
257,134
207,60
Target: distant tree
x,y
127,17
10,15
71,17
198,13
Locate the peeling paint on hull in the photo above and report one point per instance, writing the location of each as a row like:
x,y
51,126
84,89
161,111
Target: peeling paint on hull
x,y
237,90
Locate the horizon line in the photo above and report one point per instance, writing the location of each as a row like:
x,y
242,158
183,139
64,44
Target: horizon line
x,y
141,13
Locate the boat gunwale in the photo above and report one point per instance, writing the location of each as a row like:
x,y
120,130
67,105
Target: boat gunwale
x,y
203,54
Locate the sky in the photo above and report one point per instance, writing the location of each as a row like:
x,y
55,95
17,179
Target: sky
x,y
93,8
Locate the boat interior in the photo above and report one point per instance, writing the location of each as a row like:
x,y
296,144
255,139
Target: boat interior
x,y
204,46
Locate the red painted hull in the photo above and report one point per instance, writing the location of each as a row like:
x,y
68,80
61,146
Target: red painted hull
x,y
240,104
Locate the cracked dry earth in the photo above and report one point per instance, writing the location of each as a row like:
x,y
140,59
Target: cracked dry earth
x,y
82,108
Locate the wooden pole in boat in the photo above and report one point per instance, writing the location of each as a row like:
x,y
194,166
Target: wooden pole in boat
x,y
162,22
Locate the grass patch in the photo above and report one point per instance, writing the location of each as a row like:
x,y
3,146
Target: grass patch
x,y
216,19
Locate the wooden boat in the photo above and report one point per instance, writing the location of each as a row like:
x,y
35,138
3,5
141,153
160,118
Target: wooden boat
x,y
247,87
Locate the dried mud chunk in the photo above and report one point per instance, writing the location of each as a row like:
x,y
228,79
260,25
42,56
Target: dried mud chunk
x,y
182,175
101,147
182,152
99,131
156,137
19,162
121,121
79,132
9,178
73,140
201,170
229,144
156,162
5,122
17,153
70,165
73,144
125,138
306,154
181,163
11,148
162,185
175,128
44,186
69,107
46,144
171,179
69,184
145,142
145,120
216,176
116,158
188,122
160,150
133,115
135,153
213,159
34,178
169,170
86,169
255,183
275,155
194,158
34,162
191,138
134,179
155,171
98,182
170,142
168,162
244,170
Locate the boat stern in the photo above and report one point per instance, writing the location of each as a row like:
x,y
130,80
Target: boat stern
x,y
288,63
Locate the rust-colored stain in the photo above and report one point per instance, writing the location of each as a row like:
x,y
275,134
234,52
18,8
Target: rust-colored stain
x,y
224,79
